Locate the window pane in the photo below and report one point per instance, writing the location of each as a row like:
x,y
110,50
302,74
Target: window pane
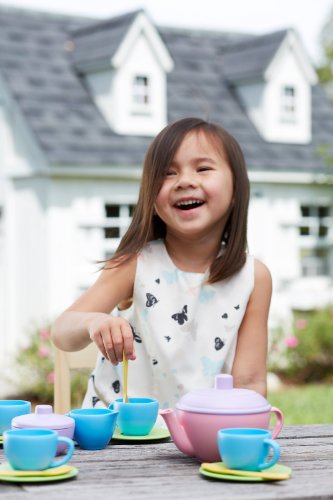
x,y
323,212
304,231
305,210
112,210
111,232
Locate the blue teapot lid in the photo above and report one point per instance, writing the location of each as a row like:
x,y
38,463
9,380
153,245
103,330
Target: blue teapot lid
x,y
223,399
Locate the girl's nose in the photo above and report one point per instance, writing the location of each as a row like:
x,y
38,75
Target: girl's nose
x,y
186,179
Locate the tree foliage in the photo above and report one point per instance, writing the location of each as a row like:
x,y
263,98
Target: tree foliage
x,y
325,71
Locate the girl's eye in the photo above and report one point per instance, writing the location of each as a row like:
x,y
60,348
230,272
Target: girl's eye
x,y
170,172
204,168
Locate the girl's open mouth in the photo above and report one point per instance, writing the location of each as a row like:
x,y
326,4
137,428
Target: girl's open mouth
x,y
189,204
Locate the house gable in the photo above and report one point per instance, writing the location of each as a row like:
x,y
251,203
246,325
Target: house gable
x,y
130,90
275,88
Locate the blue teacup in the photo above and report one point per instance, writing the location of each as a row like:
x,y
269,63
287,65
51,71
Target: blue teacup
x,y
137,417
35,449
10,408
247,448
94,427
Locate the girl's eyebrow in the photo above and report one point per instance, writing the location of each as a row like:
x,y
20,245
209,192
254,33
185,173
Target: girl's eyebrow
x,y
200,159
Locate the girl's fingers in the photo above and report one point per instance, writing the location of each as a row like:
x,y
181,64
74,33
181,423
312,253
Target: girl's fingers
x,y
128,342
113,338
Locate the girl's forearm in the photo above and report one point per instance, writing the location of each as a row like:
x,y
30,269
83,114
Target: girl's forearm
x,y
70,331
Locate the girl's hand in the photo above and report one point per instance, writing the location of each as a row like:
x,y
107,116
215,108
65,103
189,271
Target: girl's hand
x,y
112,335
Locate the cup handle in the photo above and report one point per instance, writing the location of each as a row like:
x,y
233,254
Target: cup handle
x,y
68,456
275,457
279,422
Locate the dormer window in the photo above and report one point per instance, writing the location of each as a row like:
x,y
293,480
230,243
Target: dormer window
x,y
288,104
141,95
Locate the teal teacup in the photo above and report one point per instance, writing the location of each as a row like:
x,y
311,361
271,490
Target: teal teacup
x,y
10,408
137,417
35,449
247,448
94,427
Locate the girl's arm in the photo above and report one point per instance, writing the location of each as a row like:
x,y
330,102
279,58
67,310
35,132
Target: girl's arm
x,y
249,368
88,318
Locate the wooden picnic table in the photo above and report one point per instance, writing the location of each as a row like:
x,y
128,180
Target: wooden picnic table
x,y
158,470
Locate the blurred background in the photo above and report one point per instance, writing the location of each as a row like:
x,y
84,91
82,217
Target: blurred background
x,y
84,87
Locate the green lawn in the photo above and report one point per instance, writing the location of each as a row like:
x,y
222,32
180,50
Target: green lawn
x,y
308,404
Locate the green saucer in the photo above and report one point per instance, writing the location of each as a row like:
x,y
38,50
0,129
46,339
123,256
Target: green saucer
x,y
38,479
278,468
156,434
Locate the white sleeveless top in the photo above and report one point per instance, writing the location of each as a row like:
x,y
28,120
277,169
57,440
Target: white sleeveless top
x,y
185,331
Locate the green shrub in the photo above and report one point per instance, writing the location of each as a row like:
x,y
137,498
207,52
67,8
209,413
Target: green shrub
x,y
306,355
35,370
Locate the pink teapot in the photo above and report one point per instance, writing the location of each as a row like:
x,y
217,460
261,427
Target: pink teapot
x,y
201,413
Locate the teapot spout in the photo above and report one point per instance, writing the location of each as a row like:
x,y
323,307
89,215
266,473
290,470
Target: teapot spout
x,y
177,432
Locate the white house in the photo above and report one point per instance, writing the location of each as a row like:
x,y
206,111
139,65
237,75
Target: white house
x,y
80,101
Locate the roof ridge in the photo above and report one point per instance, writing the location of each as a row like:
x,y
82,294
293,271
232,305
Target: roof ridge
x,y
105,23
36,13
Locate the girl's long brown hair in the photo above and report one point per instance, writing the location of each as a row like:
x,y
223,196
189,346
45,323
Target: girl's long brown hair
x,y
147,226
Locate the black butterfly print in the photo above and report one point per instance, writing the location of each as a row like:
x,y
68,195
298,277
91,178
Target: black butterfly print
x,y
224,316
95,400
136,335
181,317
158,281
116,386
167,338
102,359
236,307
92,376
155,362
218,343
151,300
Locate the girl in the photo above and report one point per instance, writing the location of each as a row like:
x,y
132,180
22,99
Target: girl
x,y
190,301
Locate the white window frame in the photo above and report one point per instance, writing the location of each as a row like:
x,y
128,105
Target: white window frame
x,y
316,239
288,104
141,94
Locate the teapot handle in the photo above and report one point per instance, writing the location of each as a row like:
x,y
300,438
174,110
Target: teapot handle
x,y
279,422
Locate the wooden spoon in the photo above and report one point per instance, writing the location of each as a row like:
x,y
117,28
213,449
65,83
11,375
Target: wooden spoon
x,y
125,367
219,469
55,471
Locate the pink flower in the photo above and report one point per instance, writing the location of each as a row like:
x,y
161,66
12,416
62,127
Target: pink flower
x,y
300,324
291,341
50,378
44,334
43,352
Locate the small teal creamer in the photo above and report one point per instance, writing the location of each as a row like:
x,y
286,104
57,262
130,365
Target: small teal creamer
x,y
137,417
94,427
35,449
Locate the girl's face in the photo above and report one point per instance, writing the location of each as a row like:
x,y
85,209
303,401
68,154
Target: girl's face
x,y
197,192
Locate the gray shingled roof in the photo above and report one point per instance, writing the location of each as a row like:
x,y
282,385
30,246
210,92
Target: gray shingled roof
x,y
251,57
96,43
42,76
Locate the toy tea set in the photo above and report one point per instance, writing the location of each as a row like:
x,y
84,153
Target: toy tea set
x,y
208,424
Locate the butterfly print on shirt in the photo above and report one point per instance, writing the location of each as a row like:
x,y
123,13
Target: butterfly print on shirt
x,y
167,338
154,361
95,400
181,317
218,343
136,335
151,300
236,307
158,281
224,316
116,386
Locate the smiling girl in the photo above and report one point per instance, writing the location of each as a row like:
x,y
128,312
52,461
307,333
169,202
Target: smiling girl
x,y
181,296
